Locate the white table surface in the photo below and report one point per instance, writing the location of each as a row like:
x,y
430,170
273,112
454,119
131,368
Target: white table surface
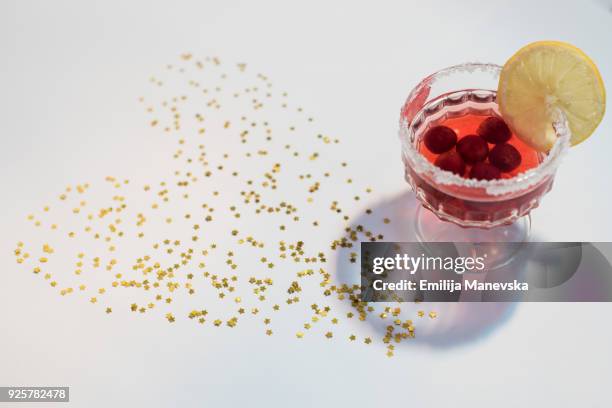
x,y
72,73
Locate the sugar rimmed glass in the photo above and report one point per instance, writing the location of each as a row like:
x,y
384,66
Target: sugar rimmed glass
x,y
456,208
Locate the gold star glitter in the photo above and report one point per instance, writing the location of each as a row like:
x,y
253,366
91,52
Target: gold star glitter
x,y
169,267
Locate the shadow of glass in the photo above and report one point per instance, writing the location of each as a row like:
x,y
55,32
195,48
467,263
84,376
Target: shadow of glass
x,y
456,324
557,272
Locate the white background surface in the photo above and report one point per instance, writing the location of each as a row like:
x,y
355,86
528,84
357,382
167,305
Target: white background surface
x,y
71,76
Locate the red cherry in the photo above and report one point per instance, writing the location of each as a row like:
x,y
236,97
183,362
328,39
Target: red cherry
x,y
473,149
505,157
484,171
451,161
440,139
494,130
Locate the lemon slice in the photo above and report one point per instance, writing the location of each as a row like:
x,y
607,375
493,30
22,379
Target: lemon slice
x,y
544,78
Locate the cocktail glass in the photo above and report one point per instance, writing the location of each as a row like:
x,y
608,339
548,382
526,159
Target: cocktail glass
x,y
456,208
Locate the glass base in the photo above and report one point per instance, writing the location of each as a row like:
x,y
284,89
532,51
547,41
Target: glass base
x,y
429,228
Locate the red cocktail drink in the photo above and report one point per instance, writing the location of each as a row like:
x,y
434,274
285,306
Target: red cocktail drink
x,y
461,159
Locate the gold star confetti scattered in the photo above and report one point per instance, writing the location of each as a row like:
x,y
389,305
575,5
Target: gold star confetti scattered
x,y
233,171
